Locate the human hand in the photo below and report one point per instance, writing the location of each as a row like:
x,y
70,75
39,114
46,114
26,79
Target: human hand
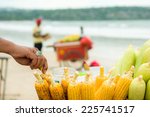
x,y
27,56
46,36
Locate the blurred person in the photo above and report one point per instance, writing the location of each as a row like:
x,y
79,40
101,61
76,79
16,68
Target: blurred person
x,y
81,31
24,55
38,36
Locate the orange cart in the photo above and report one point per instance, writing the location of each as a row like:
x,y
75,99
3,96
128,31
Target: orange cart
x,y
70,54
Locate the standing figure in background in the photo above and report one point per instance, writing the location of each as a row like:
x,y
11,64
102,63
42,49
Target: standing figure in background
x,y
82,32
38,36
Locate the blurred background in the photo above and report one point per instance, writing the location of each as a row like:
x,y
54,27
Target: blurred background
x,y
111,24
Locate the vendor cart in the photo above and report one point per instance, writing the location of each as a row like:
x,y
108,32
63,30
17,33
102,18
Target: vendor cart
x,y
71,54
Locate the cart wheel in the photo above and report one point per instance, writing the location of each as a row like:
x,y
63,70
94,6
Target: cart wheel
x,y
77,64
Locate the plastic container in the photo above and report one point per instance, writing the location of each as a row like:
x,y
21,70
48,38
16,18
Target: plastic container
x,y
58,73
93,70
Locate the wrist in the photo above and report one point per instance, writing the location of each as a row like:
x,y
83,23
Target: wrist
x,y
11,49
6,46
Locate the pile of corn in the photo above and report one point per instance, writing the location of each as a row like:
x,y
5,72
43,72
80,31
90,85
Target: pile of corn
x,y
122,82
102,87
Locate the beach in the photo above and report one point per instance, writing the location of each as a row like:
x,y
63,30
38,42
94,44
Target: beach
x,y
110,40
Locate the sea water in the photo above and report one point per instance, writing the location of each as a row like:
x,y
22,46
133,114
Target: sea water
x,y
110,38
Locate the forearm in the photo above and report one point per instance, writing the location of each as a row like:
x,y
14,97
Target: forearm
x,y
6,46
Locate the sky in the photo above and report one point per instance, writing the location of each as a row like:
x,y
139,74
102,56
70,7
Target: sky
x,y
62,4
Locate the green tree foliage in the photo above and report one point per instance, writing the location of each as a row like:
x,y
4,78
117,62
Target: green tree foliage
x,y
108,13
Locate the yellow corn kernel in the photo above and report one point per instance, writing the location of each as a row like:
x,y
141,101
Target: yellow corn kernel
x,y
42,88
47,77
100,79
65,81
38,90
86,66
87,88
122,86
116,79
74,89
106,91
56,91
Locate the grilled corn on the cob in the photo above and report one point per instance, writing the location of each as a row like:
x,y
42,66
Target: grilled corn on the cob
x,y
87,88
100,79
74,89
56,91
106,91
42,88
122,86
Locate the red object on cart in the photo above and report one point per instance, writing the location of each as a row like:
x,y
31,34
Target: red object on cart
x,y
86,41
94,64
71,51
